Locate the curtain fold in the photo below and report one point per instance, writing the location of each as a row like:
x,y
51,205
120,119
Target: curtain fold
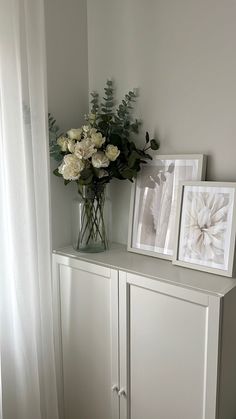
x,y
28,378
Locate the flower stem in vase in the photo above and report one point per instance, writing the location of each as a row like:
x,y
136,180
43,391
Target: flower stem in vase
x,y
92,235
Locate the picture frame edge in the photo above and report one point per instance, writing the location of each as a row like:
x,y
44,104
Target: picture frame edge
x,y
131,213
204,167
195,267
233,236
177,228
150,253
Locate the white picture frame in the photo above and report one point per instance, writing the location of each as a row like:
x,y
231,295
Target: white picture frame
x,y
147,233
206,227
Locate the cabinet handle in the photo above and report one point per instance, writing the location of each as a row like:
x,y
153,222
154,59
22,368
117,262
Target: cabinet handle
x,y
122,392
115,388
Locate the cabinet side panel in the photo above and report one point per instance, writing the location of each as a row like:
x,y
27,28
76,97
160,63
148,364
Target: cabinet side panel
x,y
57,335
227,379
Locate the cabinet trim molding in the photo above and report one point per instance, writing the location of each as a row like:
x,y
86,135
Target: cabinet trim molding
x,y
169,289
83,266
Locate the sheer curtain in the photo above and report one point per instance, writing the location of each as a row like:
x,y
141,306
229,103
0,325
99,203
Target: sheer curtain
x,y
26,331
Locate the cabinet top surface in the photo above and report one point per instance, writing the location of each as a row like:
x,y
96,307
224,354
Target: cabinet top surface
x,y
119,258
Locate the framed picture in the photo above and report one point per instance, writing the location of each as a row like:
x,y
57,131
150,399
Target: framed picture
x,y
206,226
153,202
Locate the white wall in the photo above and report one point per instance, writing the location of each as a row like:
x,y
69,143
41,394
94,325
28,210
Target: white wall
x,y
67,64
181,53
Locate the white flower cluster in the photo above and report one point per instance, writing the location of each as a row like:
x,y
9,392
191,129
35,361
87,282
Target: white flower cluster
x,y
85,146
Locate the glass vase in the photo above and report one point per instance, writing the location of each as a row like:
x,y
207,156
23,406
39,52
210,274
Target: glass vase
x,y
91,219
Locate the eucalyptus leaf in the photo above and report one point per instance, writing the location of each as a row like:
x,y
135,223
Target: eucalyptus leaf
x,y
154,144
128,173
132,158
56,173
86,174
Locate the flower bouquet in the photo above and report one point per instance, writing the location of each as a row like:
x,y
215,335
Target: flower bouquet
x,y
94,154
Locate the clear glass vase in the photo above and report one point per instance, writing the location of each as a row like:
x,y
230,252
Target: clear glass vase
x,y
91,220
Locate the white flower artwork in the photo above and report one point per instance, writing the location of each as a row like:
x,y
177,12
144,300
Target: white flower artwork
x,y
205,226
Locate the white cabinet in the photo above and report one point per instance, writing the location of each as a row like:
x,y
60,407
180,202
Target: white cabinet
x,y
139,339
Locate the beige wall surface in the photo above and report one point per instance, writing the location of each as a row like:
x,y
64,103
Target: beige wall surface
x,y
67,68
182,57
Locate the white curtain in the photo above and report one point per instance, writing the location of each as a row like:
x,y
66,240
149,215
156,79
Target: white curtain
x,y
28,380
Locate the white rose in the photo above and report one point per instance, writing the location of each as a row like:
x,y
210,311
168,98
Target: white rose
x,y
62,142
97,139
71,146
71,167
75,133
92,131
86,131
99,160
84,149
112,152
86,128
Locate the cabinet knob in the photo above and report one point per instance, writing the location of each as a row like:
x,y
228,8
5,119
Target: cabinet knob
x,y
115,388
122,392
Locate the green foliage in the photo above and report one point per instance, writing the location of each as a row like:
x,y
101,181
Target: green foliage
x,y
117,125
114,121
54,133
86,176
94,102
108,104
56,173
154,145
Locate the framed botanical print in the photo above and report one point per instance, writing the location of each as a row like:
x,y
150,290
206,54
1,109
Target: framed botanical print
x,y
153,203
205,227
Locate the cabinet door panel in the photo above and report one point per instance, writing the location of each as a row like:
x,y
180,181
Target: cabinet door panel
x,y
87,336
167,361
167,347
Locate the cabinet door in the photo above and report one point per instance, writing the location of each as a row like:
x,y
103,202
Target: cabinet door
x,y
89,337
168,350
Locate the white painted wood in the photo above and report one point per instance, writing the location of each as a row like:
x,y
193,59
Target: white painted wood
x,y
169,289
227,365
173,348
89,325
118,258
58,333
123,344
83,266
114,332
212,357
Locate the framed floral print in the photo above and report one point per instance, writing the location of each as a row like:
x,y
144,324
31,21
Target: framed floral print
x,y
153,202
206,226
